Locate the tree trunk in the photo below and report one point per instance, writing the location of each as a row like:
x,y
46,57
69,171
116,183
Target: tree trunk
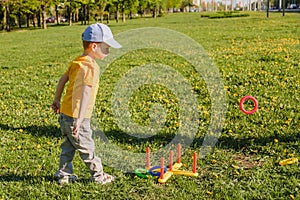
x,y
38,17
44,25
154,13
123,12
160,11
117,13
84,14
4,18
73,17
19,18
56,14
101,17
88,13
107,19
33,19
69,10
27,20
283,7
141,11
76,15
7,24
101,14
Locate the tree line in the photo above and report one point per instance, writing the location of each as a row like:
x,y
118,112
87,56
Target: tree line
x,y
19,13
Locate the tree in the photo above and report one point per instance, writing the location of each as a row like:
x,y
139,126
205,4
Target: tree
x,y
4,13
43,8
68,5
171,4
126,5
72,9
28,8
154,5
133,7
101,5
186,3
6,24
20,12
115,8
123,4
85,6
58,5
142,6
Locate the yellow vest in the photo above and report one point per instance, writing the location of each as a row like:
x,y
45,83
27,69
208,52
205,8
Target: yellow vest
x,y
81,71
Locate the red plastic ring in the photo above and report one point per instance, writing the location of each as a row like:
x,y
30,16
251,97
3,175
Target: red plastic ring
x,y
250,111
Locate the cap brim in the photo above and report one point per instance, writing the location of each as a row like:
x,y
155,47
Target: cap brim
x,y
113,43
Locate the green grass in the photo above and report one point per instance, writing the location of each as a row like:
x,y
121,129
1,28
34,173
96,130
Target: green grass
x,y
255,55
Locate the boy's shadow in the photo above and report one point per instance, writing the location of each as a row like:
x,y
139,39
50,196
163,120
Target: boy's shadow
x,y
34,179
44,130
22,178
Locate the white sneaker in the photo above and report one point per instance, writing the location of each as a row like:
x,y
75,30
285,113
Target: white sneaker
x,y
72,178
106,179
67,179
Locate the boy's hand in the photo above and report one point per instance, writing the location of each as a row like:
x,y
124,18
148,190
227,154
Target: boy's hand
x,y
76,126
55,106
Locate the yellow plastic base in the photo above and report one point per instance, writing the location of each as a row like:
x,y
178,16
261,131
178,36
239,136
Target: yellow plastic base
x,y
167,175
184,173
176,171
177,166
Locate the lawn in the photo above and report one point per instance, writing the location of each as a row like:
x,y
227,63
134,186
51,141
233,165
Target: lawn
x,y
253,55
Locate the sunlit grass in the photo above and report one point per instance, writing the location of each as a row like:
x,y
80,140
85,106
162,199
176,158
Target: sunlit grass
x,y
255,55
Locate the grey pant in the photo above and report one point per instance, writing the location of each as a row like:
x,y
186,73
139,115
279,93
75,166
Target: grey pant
x,y
84,144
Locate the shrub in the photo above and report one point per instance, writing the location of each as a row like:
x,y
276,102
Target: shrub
x,y
227,14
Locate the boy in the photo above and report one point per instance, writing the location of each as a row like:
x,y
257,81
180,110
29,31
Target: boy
x,y
78,102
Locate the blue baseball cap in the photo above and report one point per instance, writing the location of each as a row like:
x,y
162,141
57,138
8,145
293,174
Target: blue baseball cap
x,y
99,32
